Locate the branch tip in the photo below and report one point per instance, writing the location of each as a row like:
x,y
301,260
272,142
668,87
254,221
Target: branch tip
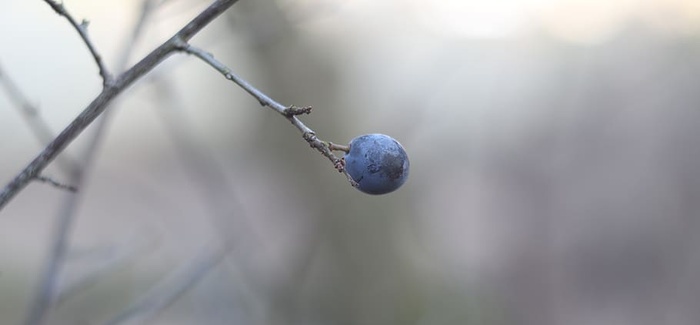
x,y
81,28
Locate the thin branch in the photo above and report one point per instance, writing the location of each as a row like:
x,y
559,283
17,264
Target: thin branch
x,y
226,72
290,113
81,28
59,243
208,176
45,179
102,101
32,117
116,256
64,222
46,291
202,166
31,114
167,290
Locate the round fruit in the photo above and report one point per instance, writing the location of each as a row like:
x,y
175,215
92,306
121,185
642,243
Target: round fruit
x,y
377,162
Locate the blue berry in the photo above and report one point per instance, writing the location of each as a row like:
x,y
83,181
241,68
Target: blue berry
x,y
377,162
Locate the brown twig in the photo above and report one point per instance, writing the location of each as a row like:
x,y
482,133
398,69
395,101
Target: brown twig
x,y
289,112
109,92
338,147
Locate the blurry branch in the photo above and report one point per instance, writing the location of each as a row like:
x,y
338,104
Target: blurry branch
x,y
147,7
41,302
43,298
169,289
290,113
203,168
82,30
31,115
48,292
39,127
116,256
207,173
109,92
57,184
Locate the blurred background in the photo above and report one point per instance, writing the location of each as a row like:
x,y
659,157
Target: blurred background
x,y
554,165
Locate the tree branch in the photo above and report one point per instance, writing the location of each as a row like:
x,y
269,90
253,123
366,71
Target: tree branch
x,y
36,124
290,113
82,30
48,281
101,102
171,287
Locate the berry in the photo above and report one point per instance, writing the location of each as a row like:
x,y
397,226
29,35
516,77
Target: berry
x,y
377,162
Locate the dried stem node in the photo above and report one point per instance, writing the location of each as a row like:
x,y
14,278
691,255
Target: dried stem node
x,y
294,110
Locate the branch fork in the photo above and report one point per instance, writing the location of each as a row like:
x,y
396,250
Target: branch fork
x,y
289,112
112,87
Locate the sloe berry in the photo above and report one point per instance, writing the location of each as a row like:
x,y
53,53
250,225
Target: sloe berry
x,y
377,162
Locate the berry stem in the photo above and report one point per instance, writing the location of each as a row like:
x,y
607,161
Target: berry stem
x,y
338,147
289,112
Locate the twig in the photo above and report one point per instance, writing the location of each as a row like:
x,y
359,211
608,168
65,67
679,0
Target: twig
x,y
338,147
45,179
46,292
101,102
199,160
31,115
208,176
82,30
290,113
59,244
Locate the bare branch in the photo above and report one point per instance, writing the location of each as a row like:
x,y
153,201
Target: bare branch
x,y
59,243
226,72
32,117
45,294
167,290
290,113
82,30
109,260
101,102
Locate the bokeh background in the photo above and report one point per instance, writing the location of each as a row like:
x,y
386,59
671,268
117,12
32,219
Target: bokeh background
x,y
554,164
